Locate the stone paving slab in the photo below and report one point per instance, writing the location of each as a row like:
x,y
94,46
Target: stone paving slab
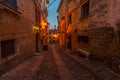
x,y
6,78
63,71
106,74
28,79
117,78
24,71
97,68
48,69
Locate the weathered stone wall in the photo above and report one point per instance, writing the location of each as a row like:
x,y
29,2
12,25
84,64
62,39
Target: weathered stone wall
x,y
100,42
62,25
18,27
103,29
26,7
73,9
99,13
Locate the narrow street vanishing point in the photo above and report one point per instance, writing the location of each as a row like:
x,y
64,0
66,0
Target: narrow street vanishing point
x,y
59,39
57,64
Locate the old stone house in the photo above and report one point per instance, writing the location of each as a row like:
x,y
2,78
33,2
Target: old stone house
x,y
94,26
18,19
53,35
98,28
67,22
62,23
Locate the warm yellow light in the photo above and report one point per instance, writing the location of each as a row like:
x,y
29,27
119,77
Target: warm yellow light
x,y
55,36
45,24
35,28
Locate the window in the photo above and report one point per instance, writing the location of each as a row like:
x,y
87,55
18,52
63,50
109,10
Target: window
x,y
11,3
69,19
69,1
85,10
7,48
83,39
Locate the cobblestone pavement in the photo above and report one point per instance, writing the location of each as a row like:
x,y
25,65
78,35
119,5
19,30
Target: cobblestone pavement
x,y
63,71
48,69
24,71
85,69
78,71
59,64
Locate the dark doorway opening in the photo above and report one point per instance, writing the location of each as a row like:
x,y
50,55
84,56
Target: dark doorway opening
x,y
37,39
69,42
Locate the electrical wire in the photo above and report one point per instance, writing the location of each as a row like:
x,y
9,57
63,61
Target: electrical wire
x,y
51,4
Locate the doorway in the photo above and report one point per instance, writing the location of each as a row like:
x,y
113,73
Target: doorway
x,y
69,42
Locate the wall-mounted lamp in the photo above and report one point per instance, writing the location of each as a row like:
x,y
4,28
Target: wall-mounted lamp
x,y
35,28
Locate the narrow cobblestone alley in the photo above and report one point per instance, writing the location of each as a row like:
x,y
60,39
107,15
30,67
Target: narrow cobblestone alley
x,y
59,40
55,64
48,69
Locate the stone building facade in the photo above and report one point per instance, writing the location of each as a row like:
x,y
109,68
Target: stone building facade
x,y
53,35
17,37
62,23
98,31
67,10
94,26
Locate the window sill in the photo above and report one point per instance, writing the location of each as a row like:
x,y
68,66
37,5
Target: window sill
x,y
83,18
8,58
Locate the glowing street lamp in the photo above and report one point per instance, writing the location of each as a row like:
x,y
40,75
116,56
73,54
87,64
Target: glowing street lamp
x,y
45,24
35,28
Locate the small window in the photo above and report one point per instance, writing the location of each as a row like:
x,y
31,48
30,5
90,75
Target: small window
x,y
7,48
85,10
69,1
69,19
11,3
83,39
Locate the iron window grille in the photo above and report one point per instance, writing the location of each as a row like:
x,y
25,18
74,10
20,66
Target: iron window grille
x,y
7,48
84,39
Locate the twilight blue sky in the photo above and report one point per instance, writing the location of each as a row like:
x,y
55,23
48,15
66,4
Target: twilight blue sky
x,y
52,13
